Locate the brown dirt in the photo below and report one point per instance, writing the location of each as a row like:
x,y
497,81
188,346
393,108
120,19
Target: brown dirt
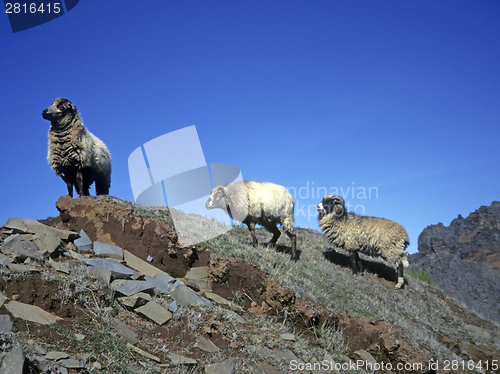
x,y
144,236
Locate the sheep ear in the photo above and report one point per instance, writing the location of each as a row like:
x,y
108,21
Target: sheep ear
x,y
339,210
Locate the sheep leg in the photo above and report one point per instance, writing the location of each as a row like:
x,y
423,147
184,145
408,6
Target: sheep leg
x,y
293,237
251,228
273,229
355,262
70,188
101,187
81,189
401,279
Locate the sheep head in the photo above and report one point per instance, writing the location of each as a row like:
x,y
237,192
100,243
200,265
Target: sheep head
x,y
217,199
331,204
62,111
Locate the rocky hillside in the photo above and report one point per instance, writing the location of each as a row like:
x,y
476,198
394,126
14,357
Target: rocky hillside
x,y
463,259
105,288
475,238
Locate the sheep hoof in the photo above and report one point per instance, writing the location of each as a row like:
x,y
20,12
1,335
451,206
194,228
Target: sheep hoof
x,y
271,245
400,283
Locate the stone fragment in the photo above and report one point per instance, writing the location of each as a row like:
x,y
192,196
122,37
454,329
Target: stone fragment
x,y
183,295
143,353
100,273
37,348
132,287
71,363
56,355
125,332
80,337
108,250
58,266
162,282
288,337
199,276
235,316
3,299
118,271
48,244
140,265
40,364
218,299
5,324
75,255
83,243
23,250
180,360
21,268
14,361
155,312
206,345
28,225
62,370
10,242
134,301
224,367
5,260
31,313
173,307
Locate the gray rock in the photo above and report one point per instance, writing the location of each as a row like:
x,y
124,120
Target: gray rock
x,y
28,225
14,362
71,363
23,250
134,301
181,360
48,244
155,312
218,299
143,353
365,356
118,271
5,260
31,313
21,268
83,243
162,282
100,273
199,276
235,316
125,332
206,345
5,324
37,348
10,242
40,364
108,250
183,295
60,267
173,307
221,368
3,299
132,287
288,337
56,355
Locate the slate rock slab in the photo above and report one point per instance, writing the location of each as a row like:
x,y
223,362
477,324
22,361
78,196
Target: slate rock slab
x,y
125,332
206,345
132,287
83,243
118,271
183,295
155,312
30,226
108,250
31,313
5,324
220,368
14,362
181,360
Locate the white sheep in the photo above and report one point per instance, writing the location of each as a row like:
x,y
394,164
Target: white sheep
x,y
75,154
252,202
372,236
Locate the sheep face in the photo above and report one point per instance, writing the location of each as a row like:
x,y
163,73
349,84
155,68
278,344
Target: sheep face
x,y
331,204
217,199
60,111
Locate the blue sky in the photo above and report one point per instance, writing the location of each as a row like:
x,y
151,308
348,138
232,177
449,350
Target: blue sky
x,y
398,98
